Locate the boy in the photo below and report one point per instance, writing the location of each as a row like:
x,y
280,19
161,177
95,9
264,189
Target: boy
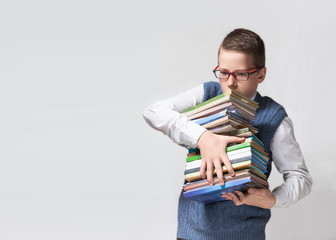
x,y
241,67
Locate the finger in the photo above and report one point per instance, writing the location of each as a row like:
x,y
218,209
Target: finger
x,y
228,165
235,199
241,196
219,171
202,169
210,173
227,197
231,195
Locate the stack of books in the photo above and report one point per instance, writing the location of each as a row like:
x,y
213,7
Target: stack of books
x,y
227,114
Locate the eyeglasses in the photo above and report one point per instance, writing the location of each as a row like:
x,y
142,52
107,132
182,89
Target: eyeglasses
x,y
224,74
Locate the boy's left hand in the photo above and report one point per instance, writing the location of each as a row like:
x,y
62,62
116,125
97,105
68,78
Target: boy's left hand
x,y
259,197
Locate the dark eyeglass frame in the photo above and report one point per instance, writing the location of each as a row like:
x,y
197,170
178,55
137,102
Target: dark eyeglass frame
x,y
249,72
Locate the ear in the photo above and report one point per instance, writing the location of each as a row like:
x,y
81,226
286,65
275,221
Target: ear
x,y
261,75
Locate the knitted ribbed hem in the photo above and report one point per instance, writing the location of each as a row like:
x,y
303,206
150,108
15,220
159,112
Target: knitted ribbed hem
x,y
253,234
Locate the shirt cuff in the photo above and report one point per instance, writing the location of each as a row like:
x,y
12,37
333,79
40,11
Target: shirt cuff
x,y
281,196
192,133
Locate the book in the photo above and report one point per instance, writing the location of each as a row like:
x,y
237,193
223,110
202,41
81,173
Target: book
x,y
229,126
210,194
229,105
211,118
192,154
211,111
193,158
224,128
222,98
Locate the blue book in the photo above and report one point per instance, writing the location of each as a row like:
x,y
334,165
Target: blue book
x,y
211,118
210,194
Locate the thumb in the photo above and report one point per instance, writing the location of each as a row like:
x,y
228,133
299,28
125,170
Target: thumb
x,y
236,139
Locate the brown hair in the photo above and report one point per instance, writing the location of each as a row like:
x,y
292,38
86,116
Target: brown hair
x,y
245,41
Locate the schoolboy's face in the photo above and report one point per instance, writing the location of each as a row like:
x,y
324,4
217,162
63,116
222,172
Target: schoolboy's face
x,y
236,61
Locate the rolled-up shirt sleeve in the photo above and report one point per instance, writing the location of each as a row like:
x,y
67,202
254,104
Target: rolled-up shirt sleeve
x,y
289,161
165,116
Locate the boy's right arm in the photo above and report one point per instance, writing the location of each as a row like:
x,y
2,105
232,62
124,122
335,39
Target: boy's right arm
x,y
166,117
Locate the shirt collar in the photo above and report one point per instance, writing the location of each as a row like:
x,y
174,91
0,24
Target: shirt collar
x,y
254,96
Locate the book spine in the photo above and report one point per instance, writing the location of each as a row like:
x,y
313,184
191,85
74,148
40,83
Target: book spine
x,y
210,111
197,168
208,101
238,146
217,187
193,158
211,118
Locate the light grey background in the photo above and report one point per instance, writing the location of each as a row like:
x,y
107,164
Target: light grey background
x,y
77,161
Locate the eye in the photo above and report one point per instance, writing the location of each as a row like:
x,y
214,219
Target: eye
x,y
224,73
241,74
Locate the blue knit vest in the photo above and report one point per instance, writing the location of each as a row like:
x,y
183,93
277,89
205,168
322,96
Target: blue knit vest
x,y
224,220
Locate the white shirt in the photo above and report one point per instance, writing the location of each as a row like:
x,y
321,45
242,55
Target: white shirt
x,y
287,157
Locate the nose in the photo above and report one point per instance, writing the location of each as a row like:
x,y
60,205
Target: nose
x,y
231,82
